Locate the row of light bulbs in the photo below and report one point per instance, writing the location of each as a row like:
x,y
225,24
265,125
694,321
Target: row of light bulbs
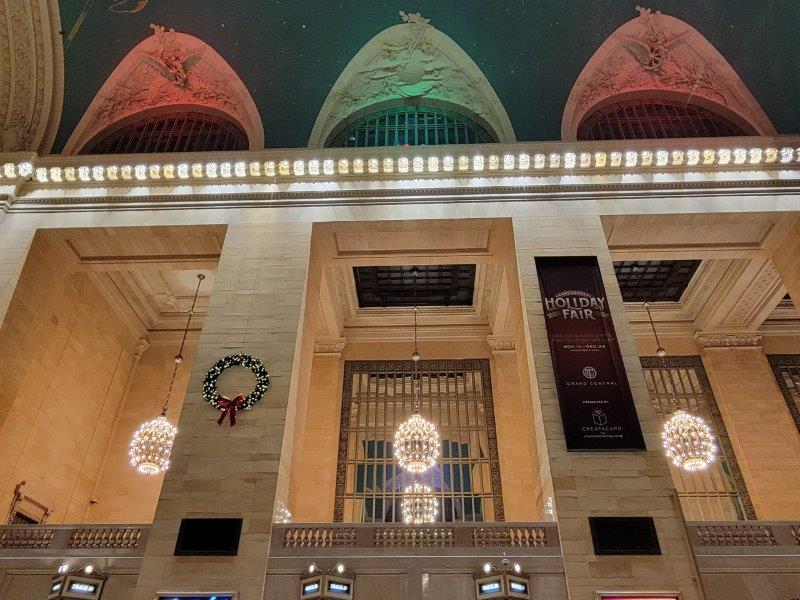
x,y
417,164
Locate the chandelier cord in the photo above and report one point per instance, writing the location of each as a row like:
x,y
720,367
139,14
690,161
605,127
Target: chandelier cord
x,y
179,355
662,354
415,404
652,325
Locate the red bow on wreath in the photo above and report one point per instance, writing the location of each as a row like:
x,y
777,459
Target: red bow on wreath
x,y
229,408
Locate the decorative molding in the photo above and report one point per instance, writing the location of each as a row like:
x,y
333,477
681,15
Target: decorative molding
x,y
32,77
142,345
329,347
168,69
759,298
501,345
728,340
411,60
659,53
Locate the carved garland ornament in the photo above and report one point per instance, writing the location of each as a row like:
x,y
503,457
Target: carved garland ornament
x,y
30,88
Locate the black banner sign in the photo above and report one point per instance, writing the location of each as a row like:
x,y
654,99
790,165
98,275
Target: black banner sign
x,y
597,409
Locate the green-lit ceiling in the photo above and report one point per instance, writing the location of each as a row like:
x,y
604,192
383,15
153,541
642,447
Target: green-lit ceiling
x,y
289,52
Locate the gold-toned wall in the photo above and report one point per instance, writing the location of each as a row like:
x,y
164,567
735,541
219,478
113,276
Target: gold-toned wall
x,y
66,361
123,495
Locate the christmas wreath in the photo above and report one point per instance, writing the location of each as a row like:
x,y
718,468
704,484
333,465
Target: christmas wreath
x,y
229,406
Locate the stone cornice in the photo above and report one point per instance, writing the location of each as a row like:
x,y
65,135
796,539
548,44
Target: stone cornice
x,y
708,340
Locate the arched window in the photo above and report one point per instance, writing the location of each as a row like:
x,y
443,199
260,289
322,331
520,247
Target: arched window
x,y
184,130
654,118
408,125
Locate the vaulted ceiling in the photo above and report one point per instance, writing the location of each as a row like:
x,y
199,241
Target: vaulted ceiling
x,y
288,53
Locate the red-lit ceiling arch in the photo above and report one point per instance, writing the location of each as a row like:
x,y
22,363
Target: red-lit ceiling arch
x,y
658,56
166,70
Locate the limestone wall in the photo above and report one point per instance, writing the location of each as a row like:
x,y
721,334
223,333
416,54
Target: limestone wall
x,y
66,361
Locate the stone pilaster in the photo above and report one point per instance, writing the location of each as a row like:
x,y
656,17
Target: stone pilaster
x,y
600,483
514,422
760,427
256,308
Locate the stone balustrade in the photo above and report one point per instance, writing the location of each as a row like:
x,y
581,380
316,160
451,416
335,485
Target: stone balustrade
x,y
708,537
309,539
301,539
30,541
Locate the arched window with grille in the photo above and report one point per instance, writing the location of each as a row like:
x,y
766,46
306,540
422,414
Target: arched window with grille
x,y
650,117
410,125
181,130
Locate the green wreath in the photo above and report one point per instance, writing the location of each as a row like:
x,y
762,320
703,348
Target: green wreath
x,y
212,395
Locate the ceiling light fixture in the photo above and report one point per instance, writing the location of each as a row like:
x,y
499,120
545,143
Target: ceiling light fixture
x,y
416,441
151,445
688,440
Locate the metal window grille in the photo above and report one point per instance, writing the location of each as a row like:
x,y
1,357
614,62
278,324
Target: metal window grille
x,y
786,368
455,395
719,492
654,280
411,126
434,285
173,132
655,118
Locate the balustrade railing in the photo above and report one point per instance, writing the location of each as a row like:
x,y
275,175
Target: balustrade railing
x,y
750,534
68,539
296,539
300,539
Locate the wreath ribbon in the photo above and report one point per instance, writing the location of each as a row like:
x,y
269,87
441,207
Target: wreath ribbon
x,y
229,408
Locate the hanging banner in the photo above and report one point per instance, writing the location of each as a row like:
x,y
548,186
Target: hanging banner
x,y
597,409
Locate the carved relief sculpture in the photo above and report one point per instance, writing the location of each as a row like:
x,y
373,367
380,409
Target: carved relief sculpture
x,y
659,53
169,69
32,74
411,60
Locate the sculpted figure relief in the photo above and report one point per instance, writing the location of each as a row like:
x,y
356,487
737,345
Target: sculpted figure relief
x,y
410,64
652,53
657,55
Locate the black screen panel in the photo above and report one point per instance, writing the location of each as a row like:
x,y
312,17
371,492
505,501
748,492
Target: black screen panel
x,y
624,535
208,537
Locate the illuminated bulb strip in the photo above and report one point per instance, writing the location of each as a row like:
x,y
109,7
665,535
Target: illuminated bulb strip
x,y
629,159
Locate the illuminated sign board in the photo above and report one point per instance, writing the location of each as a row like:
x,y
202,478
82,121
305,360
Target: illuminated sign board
x,y
516,586
197,597
310,588
326,586
76,586
338,587
490,587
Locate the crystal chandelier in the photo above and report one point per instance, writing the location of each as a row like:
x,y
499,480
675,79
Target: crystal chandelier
x,y
688,441
418,505
151,444
416,441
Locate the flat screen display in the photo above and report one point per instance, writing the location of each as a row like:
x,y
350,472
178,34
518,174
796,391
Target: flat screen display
x,y
624,535
208,537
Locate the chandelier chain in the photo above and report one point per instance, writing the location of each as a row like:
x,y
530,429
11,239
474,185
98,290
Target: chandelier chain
x,y
179,355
